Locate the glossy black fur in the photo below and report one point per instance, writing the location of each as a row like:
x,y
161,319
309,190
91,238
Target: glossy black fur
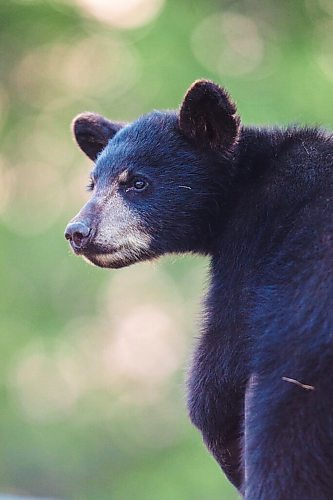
x,y
269,315
259,203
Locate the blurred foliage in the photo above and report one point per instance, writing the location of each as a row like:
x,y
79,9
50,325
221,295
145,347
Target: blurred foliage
x,y
93,362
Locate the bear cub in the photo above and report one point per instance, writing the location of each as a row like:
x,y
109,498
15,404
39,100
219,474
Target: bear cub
x,y
258,202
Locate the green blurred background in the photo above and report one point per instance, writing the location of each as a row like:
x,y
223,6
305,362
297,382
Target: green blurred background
x,y
93,362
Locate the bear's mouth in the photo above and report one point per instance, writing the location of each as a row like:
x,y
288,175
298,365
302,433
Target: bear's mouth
x,y
110,256
127,250
116,257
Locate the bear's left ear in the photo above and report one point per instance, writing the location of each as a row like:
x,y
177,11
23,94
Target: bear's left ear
x,y
208,116
92,132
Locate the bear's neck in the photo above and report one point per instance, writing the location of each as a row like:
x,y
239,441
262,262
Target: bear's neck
x,y
273,178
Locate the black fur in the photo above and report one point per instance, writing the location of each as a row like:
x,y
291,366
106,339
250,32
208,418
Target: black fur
x,y
259,203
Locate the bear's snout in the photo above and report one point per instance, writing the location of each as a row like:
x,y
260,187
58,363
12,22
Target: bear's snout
x,y
78,235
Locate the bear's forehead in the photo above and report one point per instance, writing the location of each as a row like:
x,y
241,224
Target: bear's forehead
x,y
139,143
148,129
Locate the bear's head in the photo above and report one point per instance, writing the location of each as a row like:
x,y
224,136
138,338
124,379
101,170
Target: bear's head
x,y
158,185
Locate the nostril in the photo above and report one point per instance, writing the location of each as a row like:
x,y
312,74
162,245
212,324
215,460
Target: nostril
x,y
77,238
77,233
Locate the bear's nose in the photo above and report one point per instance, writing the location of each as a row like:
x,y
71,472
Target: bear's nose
x,y
77,233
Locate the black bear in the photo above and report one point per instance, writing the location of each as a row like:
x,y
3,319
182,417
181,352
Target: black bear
x,y
259,203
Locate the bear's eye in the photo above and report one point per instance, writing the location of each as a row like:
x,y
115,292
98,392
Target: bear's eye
x,y
138,184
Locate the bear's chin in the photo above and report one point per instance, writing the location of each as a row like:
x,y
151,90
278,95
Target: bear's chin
x,y
114,260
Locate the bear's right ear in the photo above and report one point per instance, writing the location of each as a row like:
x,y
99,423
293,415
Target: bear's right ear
x,y
92,132
208,116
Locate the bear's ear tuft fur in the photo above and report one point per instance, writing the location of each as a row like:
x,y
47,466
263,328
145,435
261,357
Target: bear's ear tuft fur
x,y
92,132
208,116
